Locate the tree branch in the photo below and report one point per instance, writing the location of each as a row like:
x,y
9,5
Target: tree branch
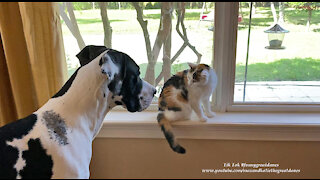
x,y
180,21
72,23
106,24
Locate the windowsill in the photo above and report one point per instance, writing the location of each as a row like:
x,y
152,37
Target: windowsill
x,y
225,126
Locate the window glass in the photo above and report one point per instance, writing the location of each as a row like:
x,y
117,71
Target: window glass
x,y
88,23
283,59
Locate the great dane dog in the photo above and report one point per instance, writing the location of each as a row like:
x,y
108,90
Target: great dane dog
x,y
56,140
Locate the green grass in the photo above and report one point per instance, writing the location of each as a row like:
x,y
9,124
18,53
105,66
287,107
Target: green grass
x,y
297,69
300,17
264,18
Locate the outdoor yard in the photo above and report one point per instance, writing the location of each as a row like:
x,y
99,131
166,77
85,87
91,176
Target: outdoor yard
x,y
298,61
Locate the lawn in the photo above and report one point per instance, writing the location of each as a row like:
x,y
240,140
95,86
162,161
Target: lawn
x,y
307,69
299,61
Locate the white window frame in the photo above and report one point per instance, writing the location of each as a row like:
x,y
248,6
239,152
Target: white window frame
x,y
225,44
272,126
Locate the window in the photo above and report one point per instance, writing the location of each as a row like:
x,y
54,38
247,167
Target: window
x,y
228,39
282,53
255,71
117,25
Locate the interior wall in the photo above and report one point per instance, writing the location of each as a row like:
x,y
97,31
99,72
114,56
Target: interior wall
x,y
152,158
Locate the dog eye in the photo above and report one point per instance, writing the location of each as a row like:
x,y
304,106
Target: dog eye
x,y
141,98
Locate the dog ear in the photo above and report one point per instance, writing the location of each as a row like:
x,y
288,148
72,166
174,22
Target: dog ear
x,y
88,53
131,85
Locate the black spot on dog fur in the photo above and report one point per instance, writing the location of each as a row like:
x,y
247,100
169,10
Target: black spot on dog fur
x,y
57,127
38,163
131,83
90,52
85,56
67,85
8,154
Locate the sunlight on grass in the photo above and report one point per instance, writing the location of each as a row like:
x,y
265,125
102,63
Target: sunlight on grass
x,y
297,69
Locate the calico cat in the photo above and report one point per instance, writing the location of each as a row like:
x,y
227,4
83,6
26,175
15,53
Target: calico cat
x,y
183,92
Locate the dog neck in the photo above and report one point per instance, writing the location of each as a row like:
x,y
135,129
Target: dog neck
x,y
87,101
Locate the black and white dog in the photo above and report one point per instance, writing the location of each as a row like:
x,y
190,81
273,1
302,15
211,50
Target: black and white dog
x,y
55,141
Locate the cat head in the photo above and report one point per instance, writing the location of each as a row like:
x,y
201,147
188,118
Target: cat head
x,y
198,74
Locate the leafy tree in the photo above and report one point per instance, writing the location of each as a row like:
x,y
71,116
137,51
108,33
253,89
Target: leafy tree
x,y
308,6
163,39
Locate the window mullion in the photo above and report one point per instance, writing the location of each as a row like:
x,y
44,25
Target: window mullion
x,y
225,43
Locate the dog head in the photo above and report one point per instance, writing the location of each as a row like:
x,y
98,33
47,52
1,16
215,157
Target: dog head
x,y
125,84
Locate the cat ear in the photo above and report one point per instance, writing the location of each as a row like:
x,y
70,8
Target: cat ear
x,y
192,65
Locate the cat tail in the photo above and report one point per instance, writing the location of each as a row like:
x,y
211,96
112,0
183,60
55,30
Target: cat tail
x,y
167,131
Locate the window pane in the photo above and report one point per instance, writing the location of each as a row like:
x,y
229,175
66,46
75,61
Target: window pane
x,y
128,37
283,66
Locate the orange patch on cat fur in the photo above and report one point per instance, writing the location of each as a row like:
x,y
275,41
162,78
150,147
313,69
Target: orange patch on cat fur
x,y
203,66
170,95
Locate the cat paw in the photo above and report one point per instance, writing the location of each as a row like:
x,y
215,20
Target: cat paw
x,y
211,114
203,119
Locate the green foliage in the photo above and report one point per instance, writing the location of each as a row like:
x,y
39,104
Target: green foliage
x,y
305,5
111,5
123,5
306,69
152,5
82,5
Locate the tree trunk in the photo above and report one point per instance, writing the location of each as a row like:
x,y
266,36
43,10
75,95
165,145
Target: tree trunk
x,y
205,5
274,13
241,12
72,23
254,8
106,24
162,31
149,76
180,8
281,13
309,20
167,24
